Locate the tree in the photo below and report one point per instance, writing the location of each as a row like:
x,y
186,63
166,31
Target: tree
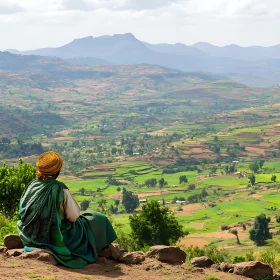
x,y
85,204
260,232
117,202
130,201
254,167
252,179
155,225
162,183
273,178
151,183
114,151
102,203
13,181
82,191
261,163
235,232
113,209
183,179
191,187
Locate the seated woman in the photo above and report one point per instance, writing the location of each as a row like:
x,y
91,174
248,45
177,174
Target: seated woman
x,y
50,220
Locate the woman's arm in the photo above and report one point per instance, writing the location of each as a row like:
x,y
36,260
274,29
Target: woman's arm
x,y
71,207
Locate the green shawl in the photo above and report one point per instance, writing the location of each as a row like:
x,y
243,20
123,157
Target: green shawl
x,y
40,226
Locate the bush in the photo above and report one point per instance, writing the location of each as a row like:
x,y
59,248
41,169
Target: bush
x,y
238,259
218,256
225,227
155,225
7,226
268,257
192,252
13,182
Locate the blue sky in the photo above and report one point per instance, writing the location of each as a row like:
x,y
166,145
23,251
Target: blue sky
x,y
30,24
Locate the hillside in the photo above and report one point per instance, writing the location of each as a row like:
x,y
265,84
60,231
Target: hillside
x,y
251,65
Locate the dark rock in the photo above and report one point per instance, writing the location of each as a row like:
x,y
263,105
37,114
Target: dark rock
x,y
40,256
2,249
148,268
225,267
231,270
216,266
252,269
12,241
14,252
132,257
112,251
167,254
202,262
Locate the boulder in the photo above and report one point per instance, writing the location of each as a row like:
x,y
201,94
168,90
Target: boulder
x,y
2,249
167,254
132,257
112,251
14,252
202,262
226,267
12,241
252,269
40,256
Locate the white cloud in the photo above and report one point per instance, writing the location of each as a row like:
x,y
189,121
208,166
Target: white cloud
x,y
9,7
46,23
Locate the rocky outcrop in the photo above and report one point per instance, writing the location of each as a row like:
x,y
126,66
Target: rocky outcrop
x,y
167,254
132,257
40,256
12,241
14,252
112,251
202,262
252,269
226,267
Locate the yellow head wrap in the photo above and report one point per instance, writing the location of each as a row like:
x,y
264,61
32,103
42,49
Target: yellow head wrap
x,y
48,164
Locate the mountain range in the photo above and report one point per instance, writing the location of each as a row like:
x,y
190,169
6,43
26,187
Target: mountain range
x,y
250,65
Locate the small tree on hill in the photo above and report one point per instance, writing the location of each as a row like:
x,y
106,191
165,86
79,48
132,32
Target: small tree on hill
x,y
235,232
102,203
162,183
273,178
252,179
254,167
82,191
183,179
151,183
155,225
85,204
130,201
260,232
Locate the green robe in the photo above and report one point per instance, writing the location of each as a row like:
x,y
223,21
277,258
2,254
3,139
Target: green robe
x,y
40,226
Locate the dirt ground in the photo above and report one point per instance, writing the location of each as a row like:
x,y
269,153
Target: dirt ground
x,y
17,269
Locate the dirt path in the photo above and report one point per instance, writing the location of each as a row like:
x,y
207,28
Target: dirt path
x,y
17,269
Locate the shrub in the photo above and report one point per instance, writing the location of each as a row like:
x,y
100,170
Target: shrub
x,y
238,259
218,256
192,252
225,227
250,256
155,225
268,257
13,181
